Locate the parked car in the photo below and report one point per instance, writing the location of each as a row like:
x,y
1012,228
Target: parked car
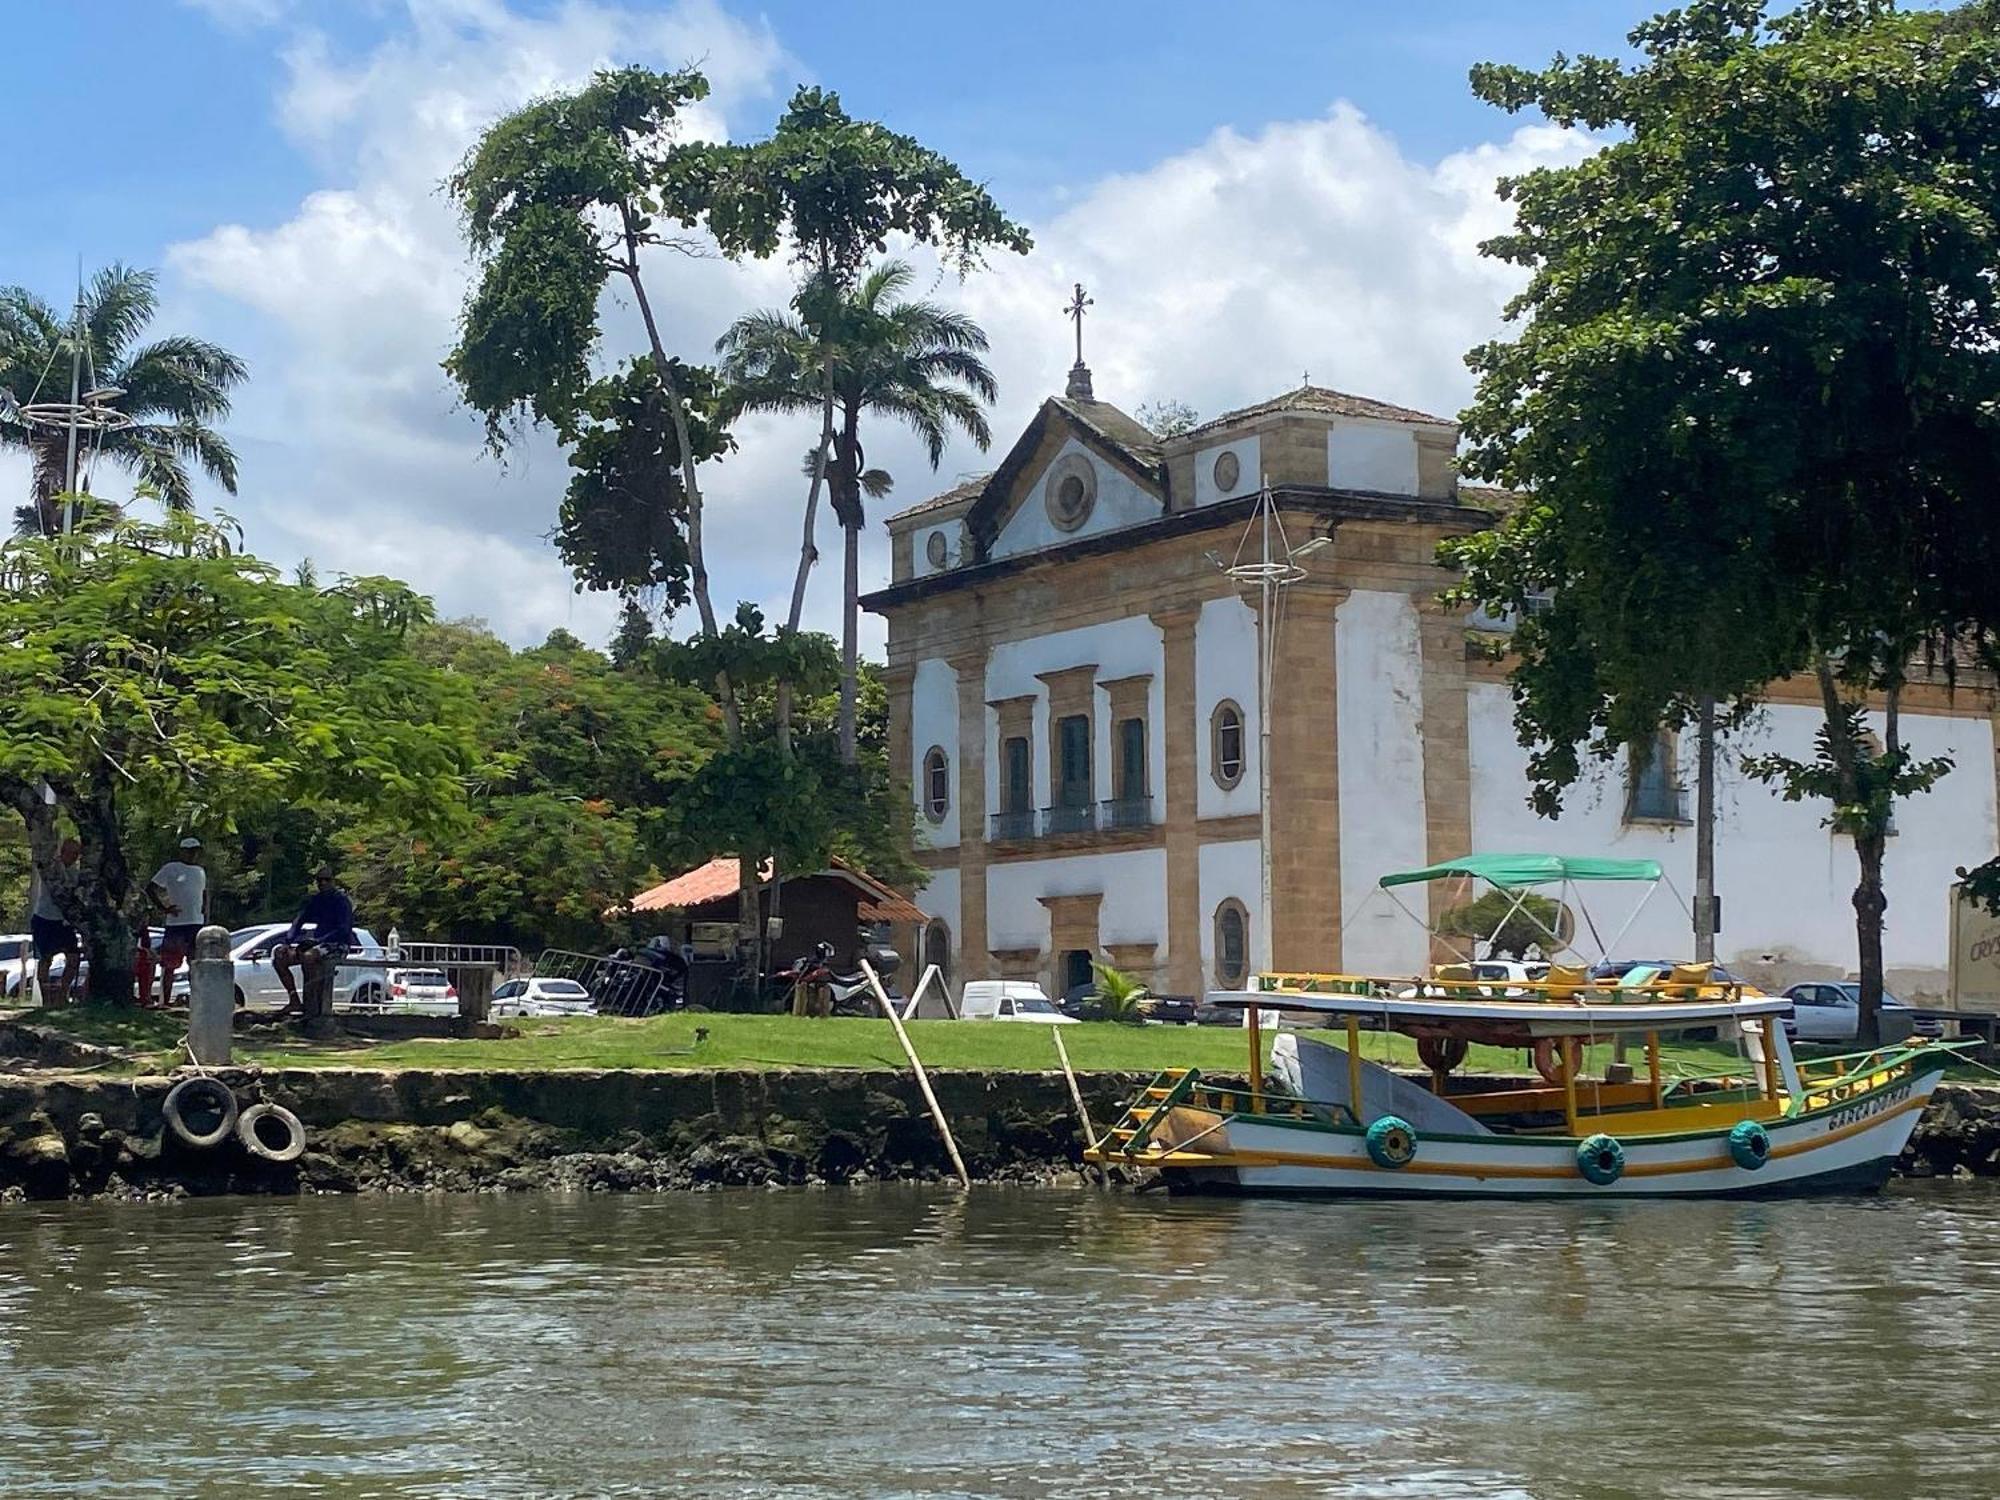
x,y
1618,968
420,992
1829,1010
542,997
1009,1000
257,986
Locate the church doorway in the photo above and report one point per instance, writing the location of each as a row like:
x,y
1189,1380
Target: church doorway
x,y
1076,971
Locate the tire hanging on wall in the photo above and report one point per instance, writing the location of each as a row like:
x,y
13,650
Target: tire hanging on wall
x,y
1441,1053
1549,1060
1749,1145
196,1097
272,1133
1601,1159
1392,1142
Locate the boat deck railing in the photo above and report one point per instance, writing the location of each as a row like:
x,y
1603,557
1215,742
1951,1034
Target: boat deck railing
x,y
1550,991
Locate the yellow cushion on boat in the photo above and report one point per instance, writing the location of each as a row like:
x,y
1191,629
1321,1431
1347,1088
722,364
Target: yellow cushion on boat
x,y
1689,974
1564,982
1454,971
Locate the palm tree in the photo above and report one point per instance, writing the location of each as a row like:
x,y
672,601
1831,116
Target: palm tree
x,y
172,388
914,362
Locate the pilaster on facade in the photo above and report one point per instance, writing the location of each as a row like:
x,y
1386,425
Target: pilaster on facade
x,y
1178,729
899,682
1305,783
970,668
1447,742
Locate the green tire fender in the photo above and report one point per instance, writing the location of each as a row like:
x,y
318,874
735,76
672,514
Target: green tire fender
x,y
1601,1159
1392,1142
1749,1145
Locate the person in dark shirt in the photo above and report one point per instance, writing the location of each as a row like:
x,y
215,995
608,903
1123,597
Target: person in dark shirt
x,y
330,915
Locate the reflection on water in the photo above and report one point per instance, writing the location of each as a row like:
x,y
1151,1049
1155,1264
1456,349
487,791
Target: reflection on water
x,y
907,1342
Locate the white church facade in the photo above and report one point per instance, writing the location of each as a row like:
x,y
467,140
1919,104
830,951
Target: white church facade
x,y
1073,687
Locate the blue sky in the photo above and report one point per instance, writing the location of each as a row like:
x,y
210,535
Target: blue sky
x,y
1251,189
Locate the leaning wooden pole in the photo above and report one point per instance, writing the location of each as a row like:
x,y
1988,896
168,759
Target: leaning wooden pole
x,y
1075,1093
916,1065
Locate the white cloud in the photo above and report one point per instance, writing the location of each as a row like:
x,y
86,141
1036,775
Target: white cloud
x,y
1220,275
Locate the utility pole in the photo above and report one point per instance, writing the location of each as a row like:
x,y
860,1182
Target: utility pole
x,y
1704,832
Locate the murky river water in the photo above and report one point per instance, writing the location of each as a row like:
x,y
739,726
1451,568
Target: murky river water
x,y
905,1342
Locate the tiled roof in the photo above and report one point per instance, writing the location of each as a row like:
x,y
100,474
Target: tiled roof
x,y
717,881
1317,398
1115,426
967,489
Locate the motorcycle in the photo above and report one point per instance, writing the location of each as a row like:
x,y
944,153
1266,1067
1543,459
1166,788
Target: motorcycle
x,y
845,994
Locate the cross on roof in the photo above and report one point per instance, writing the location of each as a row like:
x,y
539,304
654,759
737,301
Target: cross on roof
x,y
1074,312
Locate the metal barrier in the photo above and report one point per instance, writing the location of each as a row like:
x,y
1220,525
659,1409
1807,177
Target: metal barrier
x,y
505,961
618,986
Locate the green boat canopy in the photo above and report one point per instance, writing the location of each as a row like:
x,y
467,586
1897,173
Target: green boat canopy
x,y
1512,871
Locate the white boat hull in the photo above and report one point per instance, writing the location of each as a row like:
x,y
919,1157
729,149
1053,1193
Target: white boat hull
x,y
1845,1148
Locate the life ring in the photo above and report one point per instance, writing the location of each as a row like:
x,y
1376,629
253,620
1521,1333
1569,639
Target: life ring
x,y
1392,1142
1441,1053
1601,1159
1550,1061
1749,1145
272,1133
200,1097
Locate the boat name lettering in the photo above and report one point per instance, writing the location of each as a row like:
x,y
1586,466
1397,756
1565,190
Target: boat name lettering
x,y
1854,1113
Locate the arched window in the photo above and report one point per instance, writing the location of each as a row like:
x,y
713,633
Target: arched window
x,y
937,948
937,784
1232,944
1225,744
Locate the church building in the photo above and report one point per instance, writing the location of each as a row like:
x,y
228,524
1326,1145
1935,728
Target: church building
x,y
1073,681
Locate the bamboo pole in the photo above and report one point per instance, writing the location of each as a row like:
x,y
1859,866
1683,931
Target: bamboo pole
x,y
923,1079
1075,1093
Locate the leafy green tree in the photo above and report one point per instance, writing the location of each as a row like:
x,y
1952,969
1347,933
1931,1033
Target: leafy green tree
x,y
152,675
1508,926
913,362
1167,417
832,190
175,388
1751,404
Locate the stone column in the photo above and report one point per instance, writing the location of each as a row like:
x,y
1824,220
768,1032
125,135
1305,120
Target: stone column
x,y
974,960
1305,784
1447,745
900,681
1183,896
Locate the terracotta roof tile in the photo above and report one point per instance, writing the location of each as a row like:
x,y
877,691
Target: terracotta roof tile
x,y
1317,398
966,489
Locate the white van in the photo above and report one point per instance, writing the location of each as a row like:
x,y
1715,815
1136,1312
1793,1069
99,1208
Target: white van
x,y
1009,1000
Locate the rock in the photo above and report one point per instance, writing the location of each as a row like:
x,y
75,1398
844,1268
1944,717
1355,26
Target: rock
x,y
467,1136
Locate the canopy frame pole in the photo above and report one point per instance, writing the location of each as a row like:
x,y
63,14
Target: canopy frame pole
x,y
1430,927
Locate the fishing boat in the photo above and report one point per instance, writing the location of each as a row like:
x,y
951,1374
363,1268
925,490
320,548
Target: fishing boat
x,y
1327,1120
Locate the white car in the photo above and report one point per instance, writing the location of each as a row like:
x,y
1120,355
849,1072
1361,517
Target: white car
x,y
420,992
1829,1010
1009,1000
542,997
257,986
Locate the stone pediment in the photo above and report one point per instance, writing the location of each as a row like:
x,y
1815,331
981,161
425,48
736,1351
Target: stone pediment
x,y
1070,451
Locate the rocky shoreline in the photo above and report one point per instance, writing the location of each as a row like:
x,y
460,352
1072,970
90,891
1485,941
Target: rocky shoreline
x,y
70,1134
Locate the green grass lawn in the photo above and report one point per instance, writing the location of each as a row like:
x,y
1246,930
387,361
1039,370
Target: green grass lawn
x,y
736,1041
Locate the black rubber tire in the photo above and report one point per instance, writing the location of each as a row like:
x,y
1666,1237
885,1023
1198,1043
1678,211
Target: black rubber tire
x,y
255,1122
242,999
190,1092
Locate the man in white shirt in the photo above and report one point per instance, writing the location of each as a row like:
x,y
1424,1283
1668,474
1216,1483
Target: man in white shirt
x,y
179,892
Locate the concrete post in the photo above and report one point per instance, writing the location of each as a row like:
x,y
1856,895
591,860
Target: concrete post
x,y
211,997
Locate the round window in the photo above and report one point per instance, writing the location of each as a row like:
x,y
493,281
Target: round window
x,y
1228,469
937,549
1071,490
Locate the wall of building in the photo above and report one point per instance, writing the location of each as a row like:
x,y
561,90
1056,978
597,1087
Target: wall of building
x,y
1248,475
1231,870
1225,666
1785,879
1379,659
1372,456
920,542
1120,502
1119,648
1133,883
934,722
939,898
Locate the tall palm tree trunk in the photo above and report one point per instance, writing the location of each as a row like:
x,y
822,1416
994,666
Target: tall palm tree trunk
x,y
850,661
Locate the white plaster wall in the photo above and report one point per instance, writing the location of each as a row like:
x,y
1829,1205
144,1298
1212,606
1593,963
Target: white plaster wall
x,y
1119,648
1225,666
1248,475
1372,456
1120,503
1381,752
1133,882
1226,870
939,898
1785,879
920,541
934,721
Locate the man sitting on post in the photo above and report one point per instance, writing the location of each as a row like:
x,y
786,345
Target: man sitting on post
x,y
330,915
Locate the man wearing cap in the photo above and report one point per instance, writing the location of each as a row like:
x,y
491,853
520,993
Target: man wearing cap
x,y
330,915
178,891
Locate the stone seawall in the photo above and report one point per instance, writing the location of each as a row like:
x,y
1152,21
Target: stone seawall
x,y
73,1135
